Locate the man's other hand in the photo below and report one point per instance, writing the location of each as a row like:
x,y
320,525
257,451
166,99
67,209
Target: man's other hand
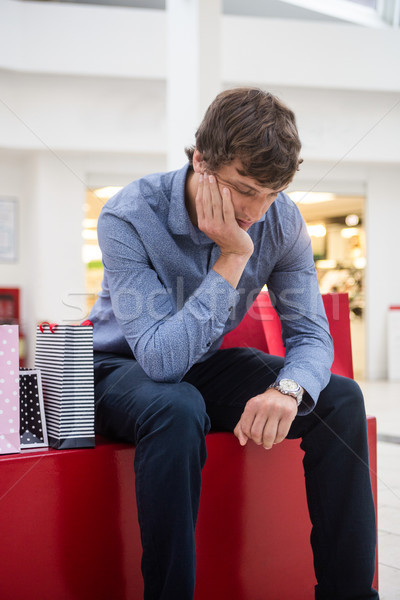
x,y
266,419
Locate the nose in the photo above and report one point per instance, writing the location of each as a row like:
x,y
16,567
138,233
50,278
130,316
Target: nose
x,y
253,214
255,211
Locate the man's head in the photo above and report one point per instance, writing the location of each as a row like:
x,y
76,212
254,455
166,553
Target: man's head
x,y
254,127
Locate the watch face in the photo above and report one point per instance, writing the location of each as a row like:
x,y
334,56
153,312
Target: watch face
x,y
289,385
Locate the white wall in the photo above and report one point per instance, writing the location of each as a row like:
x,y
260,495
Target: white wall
x,y
383,261
102,114
83,102
49,263
82,39
81,113
13,184
345,125
115,41
51,192
302,53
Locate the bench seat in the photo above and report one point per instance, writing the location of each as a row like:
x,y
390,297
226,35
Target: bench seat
x,y
69,526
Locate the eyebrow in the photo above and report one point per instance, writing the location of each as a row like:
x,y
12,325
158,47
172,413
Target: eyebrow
x,y
239,184
242,184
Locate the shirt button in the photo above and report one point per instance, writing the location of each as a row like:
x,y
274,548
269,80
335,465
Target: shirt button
x,y
230,309
208,344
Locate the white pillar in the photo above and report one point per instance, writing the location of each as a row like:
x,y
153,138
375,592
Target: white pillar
x,y
383,259
193,69
56,271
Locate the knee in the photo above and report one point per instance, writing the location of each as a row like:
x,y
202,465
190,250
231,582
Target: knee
x,y
348,391
179,409
348,401
185,405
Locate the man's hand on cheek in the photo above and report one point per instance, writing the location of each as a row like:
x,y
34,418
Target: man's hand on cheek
x,y
266,419
216,218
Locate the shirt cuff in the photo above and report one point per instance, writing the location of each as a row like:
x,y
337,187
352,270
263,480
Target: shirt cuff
x,y
308,383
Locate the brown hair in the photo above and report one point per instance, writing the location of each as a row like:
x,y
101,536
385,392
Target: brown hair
x,y
255,127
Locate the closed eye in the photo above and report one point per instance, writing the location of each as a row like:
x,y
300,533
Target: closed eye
x,y
246,192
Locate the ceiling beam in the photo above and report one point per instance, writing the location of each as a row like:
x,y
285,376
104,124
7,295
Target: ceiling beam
x,y
343,10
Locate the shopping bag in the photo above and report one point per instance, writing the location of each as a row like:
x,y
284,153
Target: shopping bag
x,y
33,430
64,355
9,389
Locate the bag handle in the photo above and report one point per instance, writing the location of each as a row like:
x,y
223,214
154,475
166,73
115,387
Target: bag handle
x,y
52,326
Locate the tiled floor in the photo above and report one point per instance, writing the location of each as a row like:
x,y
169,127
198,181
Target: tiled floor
x,y
382,399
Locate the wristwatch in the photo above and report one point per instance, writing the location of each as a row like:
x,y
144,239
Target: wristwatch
x,y
290,388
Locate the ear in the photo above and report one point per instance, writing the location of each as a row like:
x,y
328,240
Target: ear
x,y
198,162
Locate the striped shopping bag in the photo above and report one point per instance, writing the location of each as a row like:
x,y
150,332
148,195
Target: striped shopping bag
x,y
64,355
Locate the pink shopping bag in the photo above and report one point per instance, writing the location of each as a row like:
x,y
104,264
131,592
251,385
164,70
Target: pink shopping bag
x,y
9,389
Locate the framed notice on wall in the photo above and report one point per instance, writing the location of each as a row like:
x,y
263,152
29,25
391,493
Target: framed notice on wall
x,y
8,229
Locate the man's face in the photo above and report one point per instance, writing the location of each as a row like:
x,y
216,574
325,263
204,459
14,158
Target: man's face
x,y
250,200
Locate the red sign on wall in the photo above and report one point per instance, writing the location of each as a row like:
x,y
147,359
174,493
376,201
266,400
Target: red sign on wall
x,y
9,306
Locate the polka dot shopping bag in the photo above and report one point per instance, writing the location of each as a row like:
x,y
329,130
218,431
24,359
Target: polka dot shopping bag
x,y
9,390
33,430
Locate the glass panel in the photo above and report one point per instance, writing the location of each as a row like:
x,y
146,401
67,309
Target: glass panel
x,y
336,227
370,3
153,4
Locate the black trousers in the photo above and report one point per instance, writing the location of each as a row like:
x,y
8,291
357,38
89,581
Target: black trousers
x,y
168,423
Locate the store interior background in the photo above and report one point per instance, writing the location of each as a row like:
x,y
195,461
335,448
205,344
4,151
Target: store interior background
x,y
93,96
335,224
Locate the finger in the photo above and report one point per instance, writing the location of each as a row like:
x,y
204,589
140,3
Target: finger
x,y
199,199
216,200
240,435
270,433
283,429
281,432
246,422
207,203
227,206
257,429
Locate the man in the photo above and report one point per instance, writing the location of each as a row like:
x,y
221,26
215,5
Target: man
x,y
184,254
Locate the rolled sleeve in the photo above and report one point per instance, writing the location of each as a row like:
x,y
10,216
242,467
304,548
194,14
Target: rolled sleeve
x,y
294,291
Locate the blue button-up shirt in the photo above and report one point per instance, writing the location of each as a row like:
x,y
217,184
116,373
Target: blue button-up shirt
x,y
162,302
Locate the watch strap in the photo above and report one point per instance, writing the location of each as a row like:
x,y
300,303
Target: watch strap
x,y
297,395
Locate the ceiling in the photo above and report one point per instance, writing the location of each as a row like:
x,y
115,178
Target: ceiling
x,y
281,9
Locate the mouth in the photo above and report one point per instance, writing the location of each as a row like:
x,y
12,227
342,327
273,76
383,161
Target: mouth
x,y
244,224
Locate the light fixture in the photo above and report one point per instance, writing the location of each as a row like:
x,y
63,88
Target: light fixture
x,y
326,264
317,231
360,262
91,252
311,197
89,223
107,192
89,234
349,232
352,220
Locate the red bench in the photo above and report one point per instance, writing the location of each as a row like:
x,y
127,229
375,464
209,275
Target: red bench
x,y
69,526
